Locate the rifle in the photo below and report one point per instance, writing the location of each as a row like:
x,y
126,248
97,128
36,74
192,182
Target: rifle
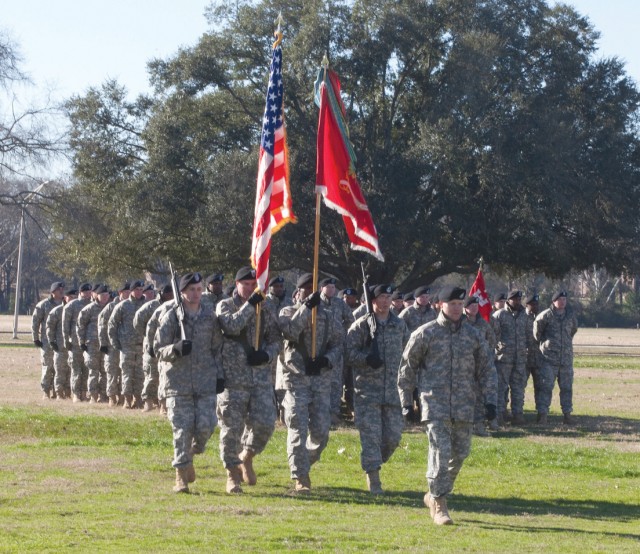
x,y
178,301
371,318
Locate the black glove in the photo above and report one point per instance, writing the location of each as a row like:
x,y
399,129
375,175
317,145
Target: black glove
x,y
374,360
151,352
182,348
69,346
407,414
38,343
313,300
313,367
104,349
54,346
219,386
83,347
257,357
255,299
490,411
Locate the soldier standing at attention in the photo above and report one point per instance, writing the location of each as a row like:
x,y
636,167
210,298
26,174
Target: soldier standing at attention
x,y
79,371
87,331
445,358
38,329
420,312
533,355
246,408
510,326
62,380
350,297
125,339
378,412
554,329
307,380
408,300
500,301
214,292
190,369
111,355
396,302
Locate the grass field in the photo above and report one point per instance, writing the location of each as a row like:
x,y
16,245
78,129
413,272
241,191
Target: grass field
x,y
87,478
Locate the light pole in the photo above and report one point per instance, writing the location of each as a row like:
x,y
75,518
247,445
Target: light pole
x,y
19,273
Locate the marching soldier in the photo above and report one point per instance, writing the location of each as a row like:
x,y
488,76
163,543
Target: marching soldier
x,y
88,338
533,355
500,301
62,381
38,329
191,370
408,300
420,312
79,371
111,355
246,409
278,298
307,380
444,358
125,339
378,412
350,297
396,303
214,292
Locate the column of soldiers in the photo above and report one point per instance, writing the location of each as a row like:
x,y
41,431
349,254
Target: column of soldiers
x,y
210,358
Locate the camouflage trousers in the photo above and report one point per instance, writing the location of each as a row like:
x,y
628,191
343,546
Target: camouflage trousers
x,y
62,370
193,420
132,374
112,369
151,377
308,419
48,373
538,375
512,377
247,418
380,427
449,446
337,386
79,371
97,381
563,373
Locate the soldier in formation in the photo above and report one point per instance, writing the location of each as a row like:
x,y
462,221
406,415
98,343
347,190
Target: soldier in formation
x,y
111,355
79,371
62,379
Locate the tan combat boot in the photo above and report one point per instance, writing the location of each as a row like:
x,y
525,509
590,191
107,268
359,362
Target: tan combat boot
x,y
113,401
94,398
128,402
191,473
60,394
148,406
303,485
137,402
248,475
45,395
181,480
163,406
373,482
440,511
234,479
76,398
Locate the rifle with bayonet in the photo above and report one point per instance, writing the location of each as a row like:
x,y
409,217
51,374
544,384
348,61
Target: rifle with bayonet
x,y
373,358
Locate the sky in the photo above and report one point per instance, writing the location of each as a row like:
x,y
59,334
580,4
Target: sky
x,y
70,45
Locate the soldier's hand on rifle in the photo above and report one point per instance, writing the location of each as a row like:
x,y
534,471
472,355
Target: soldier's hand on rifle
x,y
313,367
182,348
257,357
255,298
374,360
313,300
54,346
38,343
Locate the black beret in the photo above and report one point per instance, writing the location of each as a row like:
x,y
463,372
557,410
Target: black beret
x,y
85,287
276,280
245,274
327,281
166,289
71,292
559,294
215,277
501,296
514,294
447,294
125,286
95,287
473,299
100,289
349,292
408,296
137,284
189,279
56,285
381,289
532,298
304,279
397,295
420,291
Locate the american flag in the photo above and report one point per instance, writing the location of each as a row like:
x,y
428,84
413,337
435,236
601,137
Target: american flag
x,y
273,197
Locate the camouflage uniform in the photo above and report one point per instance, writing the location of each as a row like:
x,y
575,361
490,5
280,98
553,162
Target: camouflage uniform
x,y
246,409
533,363
151,389
415,316
190,381
38,330
344,315
87,332
378,413
149,361
554,333
124,338
359,311
307,398
445,359
79,371
277,365
62,381
511,357
112,357
212,299
486,331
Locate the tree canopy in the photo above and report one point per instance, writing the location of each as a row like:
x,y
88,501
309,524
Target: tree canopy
x,y
481,129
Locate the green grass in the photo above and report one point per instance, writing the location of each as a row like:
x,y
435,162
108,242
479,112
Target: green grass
x,y
607,362
103,483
